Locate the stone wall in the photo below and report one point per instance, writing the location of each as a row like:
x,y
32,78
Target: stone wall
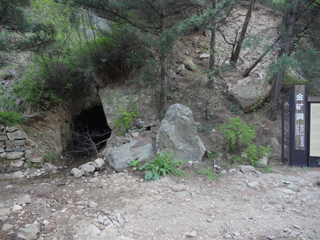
x,y
15,149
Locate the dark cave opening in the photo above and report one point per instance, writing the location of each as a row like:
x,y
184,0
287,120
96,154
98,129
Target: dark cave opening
x,y
90,132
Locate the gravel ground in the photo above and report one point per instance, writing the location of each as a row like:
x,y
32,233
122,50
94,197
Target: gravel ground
x,y
251,205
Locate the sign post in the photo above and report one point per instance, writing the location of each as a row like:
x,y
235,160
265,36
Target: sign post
x,y
298,126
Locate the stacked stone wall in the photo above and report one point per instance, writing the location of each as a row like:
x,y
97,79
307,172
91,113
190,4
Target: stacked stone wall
x,y
15,149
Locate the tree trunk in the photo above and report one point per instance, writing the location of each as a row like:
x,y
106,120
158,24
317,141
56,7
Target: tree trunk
x,y
235,55
288,23
247,71
212,49
163,80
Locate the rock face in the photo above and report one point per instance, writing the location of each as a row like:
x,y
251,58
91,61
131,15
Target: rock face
x,y
249,92
178,135
119,156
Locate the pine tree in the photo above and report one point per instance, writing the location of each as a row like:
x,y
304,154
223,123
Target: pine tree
x,y
300,22
18,32
161,20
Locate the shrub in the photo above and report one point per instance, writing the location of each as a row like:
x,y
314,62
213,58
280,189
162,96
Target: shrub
x,y
160,166
10,118
240,136
125,118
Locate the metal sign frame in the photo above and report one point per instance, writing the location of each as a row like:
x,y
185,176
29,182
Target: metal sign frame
x,y
313,161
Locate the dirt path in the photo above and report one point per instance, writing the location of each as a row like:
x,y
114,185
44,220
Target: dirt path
x,y
283,205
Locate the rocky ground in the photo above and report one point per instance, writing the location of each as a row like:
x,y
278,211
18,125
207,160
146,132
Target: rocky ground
x,y
242,204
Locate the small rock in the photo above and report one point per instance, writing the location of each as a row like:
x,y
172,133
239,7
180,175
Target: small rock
x,y
16,208
24,200
209,220
253,184
223,172
100,162
101,219
247,169
263,162
204,56
293,187
135,134
77,173
191,234
88,167
216,167
92,231
7,227
181,68
46,222
227,236
179,188
39,160
271,237
297,226
93,204
80,191
318,181
94,180
27,233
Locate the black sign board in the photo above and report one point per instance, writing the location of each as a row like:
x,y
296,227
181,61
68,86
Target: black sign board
x,y
298,126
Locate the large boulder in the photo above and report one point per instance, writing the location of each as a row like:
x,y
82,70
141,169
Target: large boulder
x,y
178,135
250,92
119,156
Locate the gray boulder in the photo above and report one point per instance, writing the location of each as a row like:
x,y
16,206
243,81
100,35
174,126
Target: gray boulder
x,y
249,92
178,135
119,156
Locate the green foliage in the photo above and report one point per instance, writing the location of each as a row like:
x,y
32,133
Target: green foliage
x,y
211,154
267,169
18,31
50,156
236,110
240,136
30,165
162,165
135,164
125,117
210,175
10,118
204,128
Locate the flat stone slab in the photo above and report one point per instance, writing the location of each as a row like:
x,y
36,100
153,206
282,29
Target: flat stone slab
x,y
14,155
18,135
253,184
179,188
247,169
120,156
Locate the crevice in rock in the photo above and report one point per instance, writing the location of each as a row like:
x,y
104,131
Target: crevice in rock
x,y
90,132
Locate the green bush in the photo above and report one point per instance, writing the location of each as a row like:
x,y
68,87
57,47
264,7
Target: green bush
x,y
125,118
10,118
160,166
239,137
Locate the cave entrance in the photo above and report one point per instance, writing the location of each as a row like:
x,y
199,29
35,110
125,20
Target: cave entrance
x,y
90,132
